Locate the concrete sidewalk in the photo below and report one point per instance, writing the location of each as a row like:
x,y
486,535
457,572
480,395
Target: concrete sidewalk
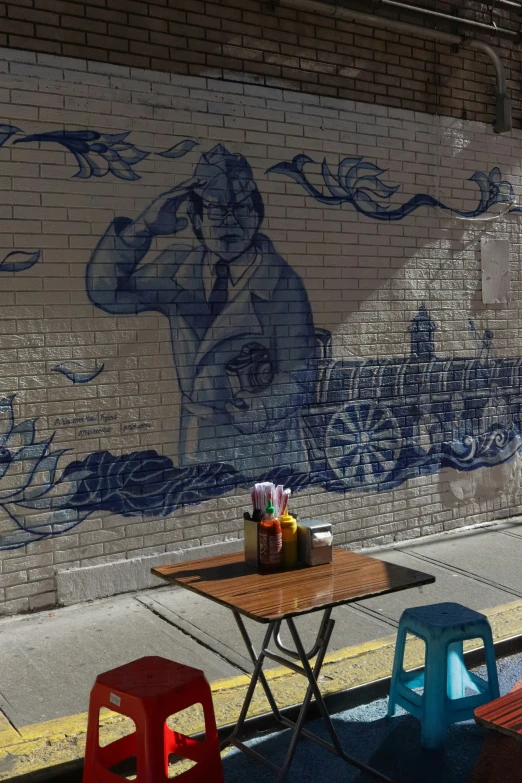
x,y
48,661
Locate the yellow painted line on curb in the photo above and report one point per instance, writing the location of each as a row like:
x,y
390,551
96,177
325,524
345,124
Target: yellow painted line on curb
x,y
8,734
42,745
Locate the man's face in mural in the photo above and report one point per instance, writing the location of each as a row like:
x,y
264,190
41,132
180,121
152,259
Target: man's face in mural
x,y
227,210
228,228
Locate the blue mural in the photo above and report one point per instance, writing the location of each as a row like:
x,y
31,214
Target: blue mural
x,y
358,182
144,482
97,154
379,422
19,261
179,150
261,396
372,425
243,339
28,470
6,131
77,372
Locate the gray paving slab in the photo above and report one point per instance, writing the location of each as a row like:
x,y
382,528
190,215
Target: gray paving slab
x,y
214,625
493,557
512,529
49,661
448,586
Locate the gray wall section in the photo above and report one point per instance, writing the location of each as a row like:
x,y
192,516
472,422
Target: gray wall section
x,y
125,576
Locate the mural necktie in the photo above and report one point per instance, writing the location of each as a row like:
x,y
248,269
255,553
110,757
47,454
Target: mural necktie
x,y
219,294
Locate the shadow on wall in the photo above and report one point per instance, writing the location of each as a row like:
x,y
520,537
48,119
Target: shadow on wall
x,y
321,55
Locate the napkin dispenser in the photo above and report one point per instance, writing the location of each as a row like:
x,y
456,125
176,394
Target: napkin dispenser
x,y
315,542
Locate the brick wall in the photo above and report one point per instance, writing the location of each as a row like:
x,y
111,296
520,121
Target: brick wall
x,y
246,40
409,424
354,359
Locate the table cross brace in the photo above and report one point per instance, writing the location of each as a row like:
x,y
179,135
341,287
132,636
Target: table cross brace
x,y
311,674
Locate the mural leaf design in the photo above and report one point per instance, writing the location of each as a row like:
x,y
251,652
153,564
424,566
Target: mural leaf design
x,y
18,445
332,182
19,261
358,183
77,372
145,482
28,478
180,149
97,154
6,131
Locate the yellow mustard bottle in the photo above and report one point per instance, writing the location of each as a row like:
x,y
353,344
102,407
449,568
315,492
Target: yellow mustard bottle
x,y
289,530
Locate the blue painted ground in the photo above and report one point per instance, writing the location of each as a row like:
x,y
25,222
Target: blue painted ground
x,y
392,745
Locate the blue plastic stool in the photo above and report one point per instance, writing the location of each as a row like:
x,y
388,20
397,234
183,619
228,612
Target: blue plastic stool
x,y
443,627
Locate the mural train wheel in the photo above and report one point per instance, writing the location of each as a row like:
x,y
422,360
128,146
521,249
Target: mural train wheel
x,y
363,443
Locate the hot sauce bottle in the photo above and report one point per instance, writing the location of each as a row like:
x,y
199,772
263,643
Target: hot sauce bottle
x,y
270,541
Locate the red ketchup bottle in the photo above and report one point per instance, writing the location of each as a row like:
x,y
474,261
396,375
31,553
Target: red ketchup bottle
x,y
270,541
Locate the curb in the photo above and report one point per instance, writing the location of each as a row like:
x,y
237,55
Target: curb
x,y
352,676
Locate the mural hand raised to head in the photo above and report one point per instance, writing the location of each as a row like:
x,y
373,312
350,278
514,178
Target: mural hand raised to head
x,y
229,290
161,216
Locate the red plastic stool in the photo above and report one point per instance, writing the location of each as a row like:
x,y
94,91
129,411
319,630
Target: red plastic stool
x,y
149,690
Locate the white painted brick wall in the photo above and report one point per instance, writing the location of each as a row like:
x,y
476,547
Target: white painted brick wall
x,y
365,280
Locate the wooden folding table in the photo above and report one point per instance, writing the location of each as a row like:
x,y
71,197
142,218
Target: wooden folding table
x,y
276,598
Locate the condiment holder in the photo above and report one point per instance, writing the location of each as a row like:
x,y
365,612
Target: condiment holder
x,y
308,543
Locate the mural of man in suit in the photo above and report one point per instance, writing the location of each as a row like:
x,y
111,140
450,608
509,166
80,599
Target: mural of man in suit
x,y
241,326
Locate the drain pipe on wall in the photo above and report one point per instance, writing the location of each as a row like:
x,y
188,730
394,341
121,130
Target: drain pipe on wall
x,y
503,116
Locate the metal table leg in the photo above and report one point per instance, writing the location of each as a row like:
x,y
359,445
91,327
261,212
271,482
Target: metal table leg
x,y
304,668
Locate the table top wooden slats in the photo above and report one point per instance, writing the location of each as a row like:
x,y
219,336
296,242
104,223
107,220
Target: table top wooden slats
x,y
265,598
504,715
